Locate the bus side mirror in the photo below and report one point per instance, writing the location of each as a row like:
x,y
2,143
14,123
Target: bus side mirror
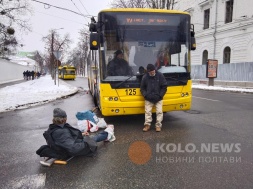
x,y
193,43
193,40
93,25
94,41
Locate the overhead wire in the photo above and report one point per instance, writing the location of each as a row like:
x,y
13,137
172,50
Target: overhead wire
x,y
78,10
80,14
83,6
60,18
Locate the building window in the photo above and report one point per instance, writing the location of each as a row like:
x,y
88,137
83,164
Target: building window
x,y
229,11
226,55
204,57
206,18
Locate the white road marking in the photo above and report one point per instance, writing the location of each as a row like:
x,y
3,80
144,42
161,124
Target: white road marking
x,y
206,99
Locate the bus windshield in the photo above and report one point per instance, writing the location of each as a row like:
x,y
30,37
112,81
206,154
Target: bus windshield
x,y
162,40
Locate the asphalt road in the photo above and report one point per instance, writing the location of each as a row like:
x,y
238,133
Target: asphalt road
x,y
207,147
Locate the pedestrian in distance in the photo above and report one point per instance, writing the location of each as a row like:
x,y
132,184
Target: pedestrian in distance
x,y
118,66
32,74
24,75
153,89
27,74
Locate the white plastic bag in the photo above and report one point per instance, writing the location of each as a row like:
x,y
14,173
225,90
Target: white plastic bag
x,y
83,125
101,123
93,126
86,125
110,130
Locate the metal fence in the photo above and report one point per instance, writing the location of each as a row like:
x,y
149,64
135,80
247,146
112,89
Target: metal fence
x,y
226,72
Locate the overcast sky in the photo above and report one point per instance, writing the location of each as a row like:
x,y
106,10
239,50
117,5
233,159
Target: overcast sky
x,y
45,19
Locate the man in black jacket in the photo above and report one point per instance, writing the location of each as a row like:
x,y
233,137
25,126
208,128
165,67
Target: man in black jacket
x,y
118,66
153,88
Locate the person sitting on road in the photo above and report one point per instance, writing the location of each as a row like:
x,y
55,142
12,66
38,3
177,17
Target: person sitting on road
x,y
118,66
69,141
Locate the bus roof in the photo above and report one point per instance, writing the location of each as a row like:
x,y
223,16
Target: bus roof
x,y
143,10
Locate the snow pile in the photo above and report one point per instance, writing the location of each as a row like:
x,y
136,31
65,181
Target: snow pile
x,y
222,88
33,92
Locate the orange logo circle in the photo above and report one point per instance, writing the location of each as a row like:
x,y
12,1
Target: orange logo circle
x,y
139,152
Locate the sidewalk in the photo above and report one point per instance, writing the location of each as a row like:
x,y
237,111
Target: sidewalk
x,y
237,84
230,86
2,85
23,94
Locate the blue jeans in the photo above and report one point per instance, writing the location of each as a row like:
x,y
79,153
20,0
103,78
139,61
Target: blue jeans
x,y
100,136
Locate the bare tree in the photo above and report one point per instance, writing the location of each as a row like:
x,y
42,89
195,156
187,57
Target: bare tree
x,y
153,4
53,42
129,4
78,56
14,13
13,17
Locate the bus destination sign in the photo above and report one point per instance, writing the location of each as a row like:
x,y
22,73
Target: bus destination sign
x,y
148,20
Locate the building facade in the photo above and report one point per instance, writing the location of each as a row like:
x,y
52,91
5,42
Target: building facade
x,y
223,30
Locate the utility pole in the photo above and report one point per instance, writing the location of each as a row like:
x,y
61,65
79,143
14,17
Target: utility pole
x,y
53,70
85,53
52,56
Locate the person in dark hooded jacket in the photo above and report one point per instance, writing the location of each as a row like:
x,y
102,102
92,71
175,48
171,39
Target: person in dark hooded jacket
x,y
71,140
153,88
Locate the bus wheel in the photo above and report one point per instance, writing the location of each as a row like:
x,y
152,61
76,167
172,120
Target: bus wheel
x,y
95,100
89,83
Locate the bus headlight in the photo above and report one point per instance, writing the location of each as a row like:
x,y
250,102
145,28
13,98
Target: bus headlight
x,y
117,111
116,99
184,94
110,99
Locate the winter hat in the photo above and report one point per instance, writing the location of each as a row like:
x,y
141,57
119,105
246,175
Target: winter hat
x,y
59,113
150,67
118,52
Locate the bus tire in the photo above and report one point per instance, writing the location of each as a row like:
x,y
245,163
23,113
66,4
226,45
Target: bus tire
x,y
95,100
89,84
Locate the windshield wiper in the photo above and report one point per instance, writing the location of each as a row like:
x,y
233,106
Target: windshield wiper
x,y
117,86
180,81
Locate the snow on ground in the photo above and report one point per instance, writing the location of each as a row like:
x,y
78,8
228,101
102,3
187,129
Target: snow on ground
x,y
33,92
222,88
43,90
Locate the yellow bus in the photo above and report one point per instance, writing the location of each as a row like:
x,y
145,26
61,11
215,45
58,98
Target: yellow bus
x,y
164,38
67,72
